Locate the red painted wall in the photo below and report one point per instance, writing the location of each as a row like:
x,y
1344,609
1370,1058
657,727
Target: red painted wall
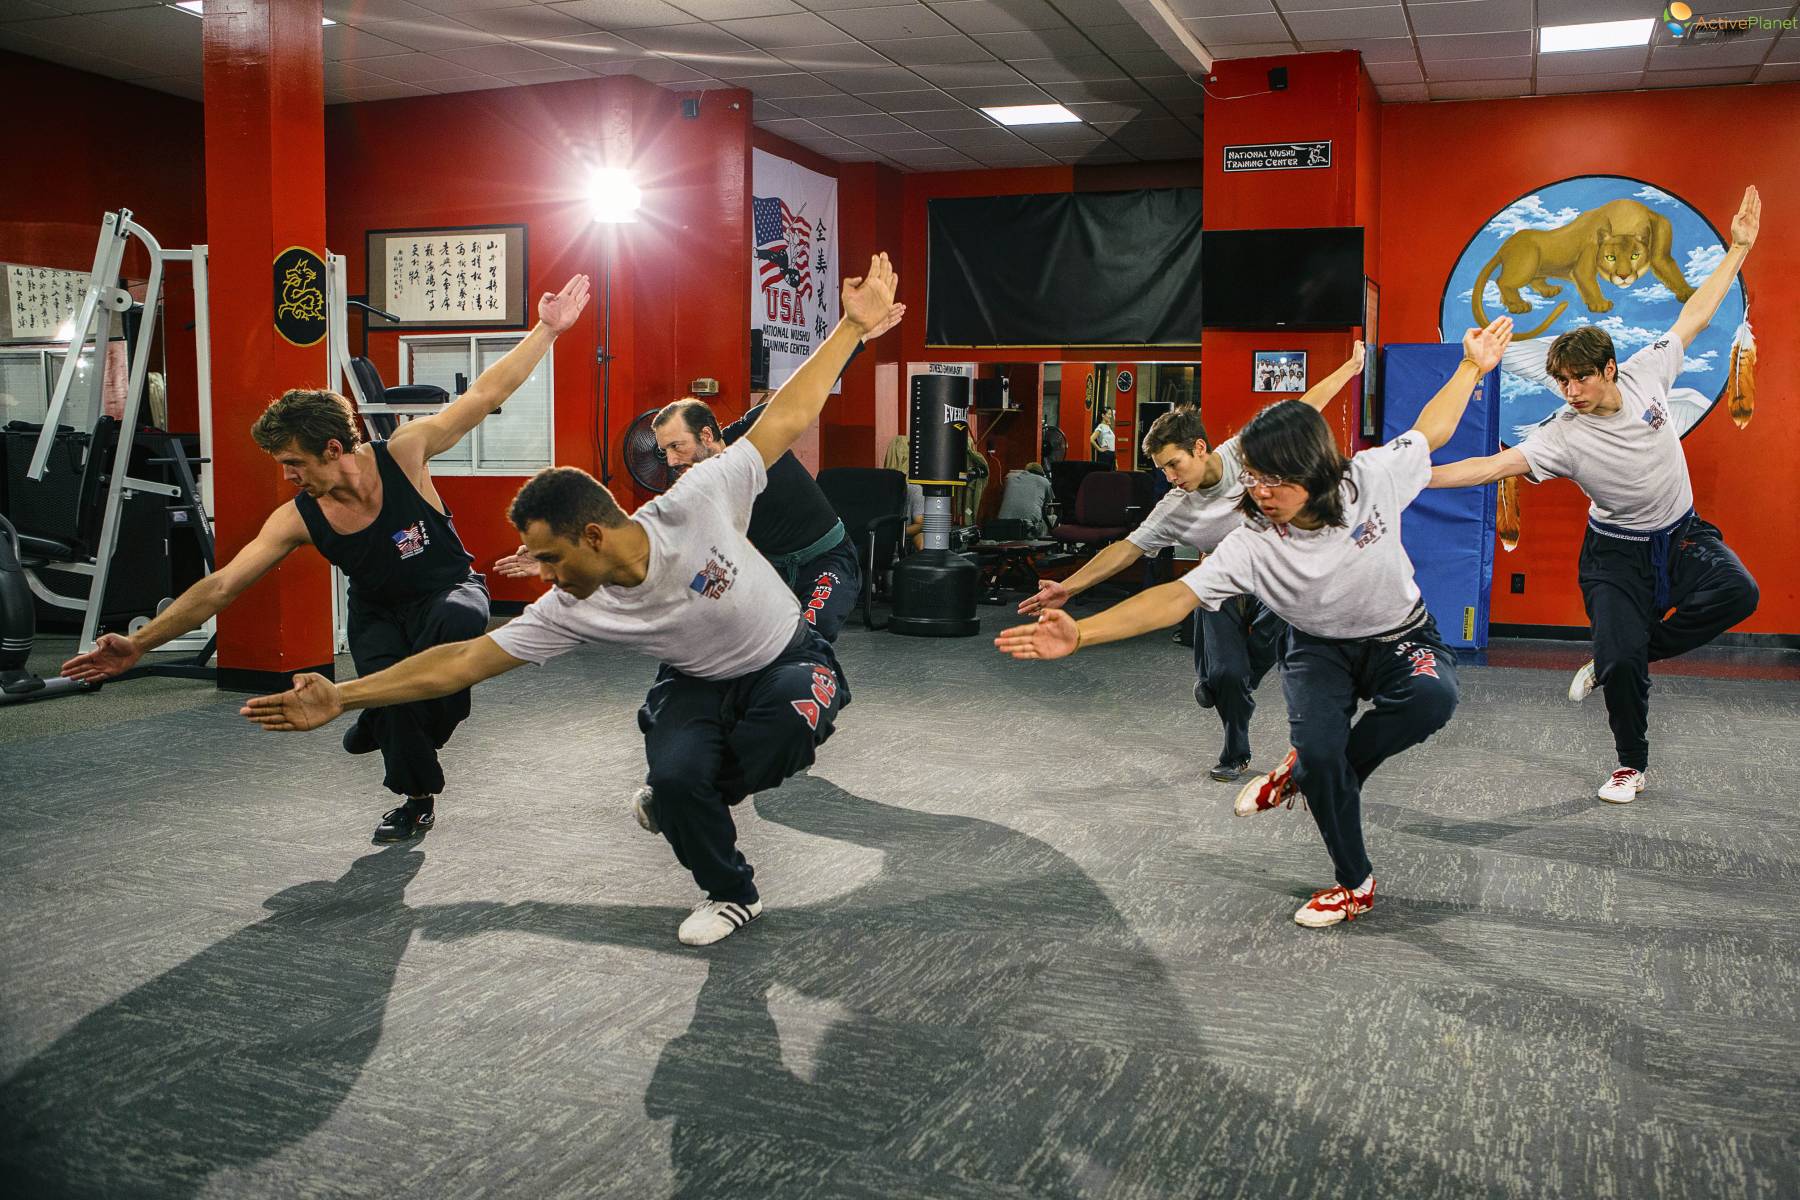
x,y
75,160
1445,167
681,274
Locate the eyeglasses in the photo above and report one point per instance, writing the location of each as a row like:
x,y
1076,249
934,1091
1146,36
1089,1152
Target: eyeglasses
x,y
1251,479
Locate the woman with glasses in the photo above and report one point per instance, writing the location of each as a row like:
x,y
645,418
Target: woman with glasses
x,y
1321,547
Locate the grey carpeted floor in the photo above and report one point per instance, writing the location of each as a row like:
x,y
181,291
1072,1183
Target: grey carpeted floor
x,y
1016,945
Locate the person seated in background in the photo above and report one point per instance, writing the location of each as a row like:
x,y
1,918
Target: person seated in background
x,y
915,516
1028,498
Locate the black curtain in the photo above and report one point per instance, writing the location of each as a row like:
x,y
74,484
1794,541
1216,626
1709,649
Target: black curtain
x,y
1075,268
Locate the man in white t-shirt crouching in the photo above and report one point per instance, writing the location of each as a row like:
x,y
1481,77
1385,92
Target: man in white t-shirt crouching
x,y
1645,551
755,690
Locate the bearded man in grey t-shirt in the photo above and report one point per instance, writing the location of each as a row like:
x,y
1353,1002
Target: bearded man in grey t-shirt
x,y
1657,580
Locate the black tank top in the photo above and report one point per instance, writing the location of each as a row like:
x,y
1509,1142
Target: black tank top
x,y
409,552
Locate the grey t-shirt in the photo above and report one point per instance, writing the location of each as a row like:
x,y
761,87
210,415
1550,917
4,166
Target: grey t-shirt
x,y
1200,518
1345,581
1630,462
711,605
1026,494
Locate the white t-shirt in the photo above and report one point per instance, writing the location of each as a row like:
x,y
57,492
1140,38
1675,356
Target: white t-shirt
x,y
1103,437
710,605
1341,581
1200,518
1630,462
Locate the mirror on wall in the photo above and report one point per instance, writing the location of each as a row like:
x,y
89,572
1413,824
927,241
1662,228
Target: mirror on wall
x,y
1108,405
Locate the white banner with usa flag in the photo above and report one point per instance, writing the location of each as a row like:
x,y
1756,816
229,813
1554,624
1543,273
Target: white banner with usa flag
x,y
793,265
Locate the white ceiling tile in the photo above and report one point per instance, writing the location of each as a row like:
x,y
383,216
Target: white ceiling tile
x,y
911,101
952,48
789,127
827,106
845,57
468,83
986,97
1385,21
1615,81
1396,72
1229,8
653,70
589,50
1177,87
1470,16
1480,89
783,87
1373,50
979,141
1269,49
962,117
888,143
383,91
855,126
1474,45
1119,37
1593,62
346,42
999,16
611,15
361,12
1578,12
1036,43
1469,69
526,22
1218,32
943,159
1075,68
720,10
873,79
412,68
779,33
892,21
439,34
693,39
1737,52
1089,91
949,75
459,6
499,60
1708,77
1145,62
763,111
1403,93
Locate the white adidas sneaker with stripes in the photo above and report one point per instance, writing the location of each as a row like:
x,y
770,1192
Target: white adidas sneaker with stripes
x,y
715,920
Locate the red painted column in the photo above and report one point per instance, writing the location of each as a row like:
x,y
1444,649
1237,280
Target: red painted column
x,y
265,191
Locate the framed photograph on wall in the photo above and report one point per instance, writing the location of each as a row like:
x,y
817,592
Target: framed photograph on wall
x,y
1371,336
455,277
1278,371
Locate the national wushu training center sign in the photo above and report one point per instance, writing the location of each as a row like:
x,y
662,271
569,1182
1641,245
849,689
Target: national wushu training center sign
x,y
793,264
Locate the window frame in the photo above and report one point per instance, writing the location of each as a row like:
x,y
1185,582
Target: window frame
x,y
444,466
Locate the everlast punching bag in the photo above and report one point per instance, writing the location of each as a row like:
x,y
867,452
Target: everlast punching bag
x,y
934,590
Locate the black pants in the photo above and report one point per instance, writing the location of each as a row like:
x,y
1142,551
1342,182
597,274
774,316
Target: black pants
x,y
711,742
1710,591
410,735
1411,686
828,587
1234,647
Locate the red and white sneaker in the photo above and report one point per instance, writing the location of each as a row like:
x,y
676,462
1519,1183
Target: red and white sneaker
x,y
1269,791
1622,786
1336,904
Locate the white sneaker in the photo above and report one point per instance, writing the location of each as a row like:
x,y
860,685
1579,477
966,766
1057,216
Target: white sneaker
x,y
1623,786
715,920
1583,683
641,808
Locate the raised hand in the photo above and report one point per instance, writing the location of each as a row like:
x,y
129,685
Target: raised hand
x,y
1485,346
891,320
868,299
1358,353
111,657
312,703
1744,226
518,565
1053,635
558,310
1050,594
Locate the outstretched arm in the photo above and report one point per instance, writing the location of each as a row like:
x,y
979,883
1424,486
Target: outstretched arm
x,y
1481,353
439,671
428,437
1698,312
1057,635
867,302
114,654
1054,593
1470,472
1321,394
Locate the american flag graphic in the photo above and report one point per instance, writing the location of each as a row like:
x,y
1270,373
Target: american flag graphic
x,y
783,245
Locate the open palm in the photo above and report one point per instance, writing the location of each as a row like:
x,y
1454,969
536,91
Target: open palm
x,y
312,703
558,310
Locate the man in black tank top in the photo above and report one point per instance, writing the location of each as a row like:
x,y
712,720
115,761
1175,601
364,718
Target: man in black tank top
x,y
371,509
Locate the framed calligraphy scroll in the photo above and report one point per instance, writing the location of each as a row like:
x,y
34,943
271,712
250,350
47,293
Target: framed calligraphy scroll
x,y
464,277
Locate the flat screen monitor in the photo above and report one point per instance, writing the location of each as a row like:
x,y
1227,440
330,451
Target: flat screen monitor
x,y
1282,278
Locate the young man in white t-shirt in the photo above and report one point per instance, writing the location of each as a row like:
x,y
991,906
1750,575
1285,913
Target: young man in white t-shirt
x,y
1645,550
1322,549
1236,643
756,688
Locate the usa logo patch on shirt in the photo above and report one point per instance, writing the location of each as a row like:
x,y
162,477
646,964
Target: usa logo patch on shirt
x,y
412,540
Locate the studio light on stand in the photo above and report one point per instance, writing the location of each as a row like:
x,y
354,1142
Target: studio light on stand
x,y
934,590
613,199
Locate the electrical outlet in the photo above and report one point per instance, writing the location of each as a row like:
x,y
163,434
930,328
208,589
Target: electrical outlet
x,y
1518,584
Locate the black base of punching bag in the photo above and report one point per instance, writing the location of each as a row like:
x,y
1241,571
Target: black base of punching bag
x,y
934,596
